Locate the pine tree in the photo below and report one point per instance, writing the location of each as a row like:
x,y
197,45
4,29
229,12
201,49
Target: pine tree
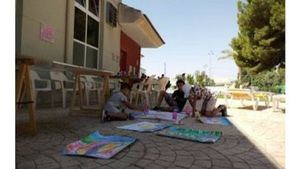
x,y
260,44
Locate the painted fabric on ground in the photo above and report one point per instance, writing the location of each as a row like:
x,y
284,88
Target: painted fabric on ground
x,y
98,146
215,120
152,114
144,127
202,136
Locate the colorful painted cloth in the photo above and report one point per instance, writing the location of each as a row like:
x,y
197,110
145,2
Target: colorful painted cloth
x,y
215,120
99,146
144,127
168,116
191,134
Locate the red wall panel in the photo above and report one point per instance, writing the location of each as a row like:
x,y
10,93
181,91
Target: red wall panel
x,y
131,53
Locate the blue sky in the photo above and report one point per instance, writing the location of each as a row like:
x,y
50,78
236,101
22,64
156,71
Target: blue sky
x,y
191,29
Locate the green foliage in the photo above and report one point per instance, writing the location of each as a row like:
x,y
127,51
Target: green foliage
x,y
190,79
260,44
199,78
177,77
272,80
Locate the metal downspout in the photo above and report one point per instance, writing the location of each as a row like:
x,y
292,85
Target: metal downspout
x,y
66,32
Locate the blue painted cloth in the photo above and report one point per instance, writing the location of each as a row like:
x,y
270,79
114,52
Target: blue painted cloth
x,y
215,120
144,127
98,146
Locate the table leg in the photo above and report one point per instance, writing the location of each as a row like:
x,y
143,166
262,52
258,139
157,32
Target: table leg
x,y
32,113
20,82
80,91
105,94
73,101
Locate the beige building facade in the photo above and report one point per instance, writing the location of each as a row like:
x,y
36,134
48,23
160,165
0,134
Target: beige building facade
x,y
80,32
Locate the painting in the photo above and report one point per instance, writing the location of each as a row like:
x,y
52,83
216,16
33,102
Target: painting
x,y
202,136
98,146
47,33
144,126
215,120
167,116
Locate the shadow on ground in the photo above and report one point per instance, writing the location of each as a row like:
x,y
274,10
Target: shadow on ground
x,y
56,129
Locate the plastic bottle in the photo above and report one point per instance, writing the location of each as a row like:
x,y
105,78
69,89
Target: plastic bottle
x,y
188,111
174,115
146,109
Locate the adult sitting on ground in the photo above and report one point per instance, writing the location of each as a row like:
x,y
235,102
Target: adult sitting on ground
x,y
176,101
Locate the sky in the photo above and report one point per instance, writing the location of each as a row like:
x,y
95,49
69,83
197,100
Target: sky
x,y
195,32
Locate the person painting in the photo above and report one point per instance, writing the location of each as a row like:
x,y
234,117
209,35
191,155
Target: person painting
x,y
176,101
114,108
208,103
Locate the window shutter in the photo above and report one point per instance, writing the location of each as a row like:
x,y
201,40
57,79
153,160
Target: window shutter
x,y
111,14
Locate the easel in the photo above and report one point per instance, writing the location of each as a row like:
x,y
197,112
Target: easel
x,y
23,86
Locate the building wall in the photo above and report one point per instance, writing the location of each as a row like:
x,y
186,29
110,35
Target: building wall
x,y
19,12
34,14
59,14
111,41
133,52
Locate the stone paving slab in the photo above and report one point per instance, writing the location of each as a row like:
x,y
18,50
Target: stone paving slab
x,y
56,129
265,128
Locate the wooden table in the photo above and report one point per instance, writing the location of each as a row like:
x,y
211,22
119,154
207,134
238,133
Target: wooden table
x,y
79,71
24,87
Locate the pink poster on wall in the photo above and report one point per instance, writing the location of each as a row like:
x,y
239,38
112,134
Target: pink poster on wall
x,y
47,33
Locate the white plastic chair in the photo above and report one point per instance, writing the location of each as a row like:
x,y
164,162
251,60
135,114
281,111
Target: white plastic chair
x,y
146,93
60,79
159,86
92,86
276,100
134,91
36,78
155,90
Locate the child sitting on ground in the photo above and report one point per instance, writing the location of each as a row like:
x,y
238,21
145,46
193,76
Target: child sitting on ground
x,y
114,108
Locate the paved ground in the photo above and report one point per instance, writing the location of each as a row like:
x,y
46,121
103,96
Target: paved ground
x,y
265,128
234,151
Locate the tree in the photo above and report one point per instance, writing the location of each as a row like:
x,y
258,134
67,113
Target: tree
x,y
269,80
202,79
199,78
260,44
190,79
179,76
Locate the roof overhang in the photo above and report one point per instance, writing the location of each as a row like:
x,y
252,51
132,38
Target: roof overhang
x,y
138,27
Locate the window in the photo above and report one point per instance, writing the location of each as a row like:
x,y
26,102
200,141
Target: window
x,y
79,28
92,32
78,54
94,7
91,57
81,2
111,14
86,33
